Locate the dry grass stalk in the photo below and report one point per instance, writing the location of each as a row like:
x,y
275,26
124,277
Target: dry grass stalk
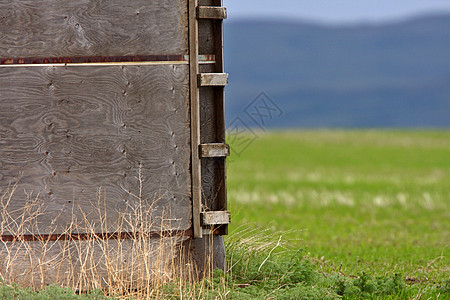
x,y
139,266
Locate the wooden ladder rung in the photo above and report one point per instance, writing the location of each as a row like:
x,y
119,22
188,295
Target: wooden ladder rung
x,y
214,150
211,12
212,79
215,218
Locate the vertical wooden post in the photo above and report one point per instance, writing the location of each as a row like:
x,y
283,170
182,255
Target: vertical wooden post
x,y
220,96
195,119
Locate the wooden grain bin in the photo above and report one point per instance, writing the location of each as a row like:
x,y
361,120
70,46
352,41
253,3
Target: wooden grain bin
x,y
111,114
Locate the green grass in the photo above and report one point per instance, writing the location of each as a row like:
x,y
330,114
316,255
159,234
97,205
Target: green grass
x,y
51,292
360,201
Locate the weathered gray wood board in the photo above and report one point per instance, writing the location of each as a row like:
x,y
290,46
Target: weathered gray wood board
x,y
206,36
195,120
50,28
67,132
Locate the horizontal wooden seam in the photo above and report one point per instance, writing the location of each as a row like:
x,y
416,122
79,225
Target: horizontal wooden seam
x,y
89,236
104,61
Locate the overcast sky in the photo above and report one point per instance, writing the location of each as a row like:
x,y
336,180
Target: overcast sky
x,y
334,11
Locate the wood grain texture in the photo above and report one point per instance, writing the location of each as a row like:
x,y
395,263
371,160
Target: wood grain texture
x,y
50,28
77,134
206,36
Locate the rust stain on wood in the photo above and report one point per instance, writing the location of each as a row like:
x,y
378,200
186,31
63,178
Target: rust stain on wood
x,y
206,58
91,59
90,236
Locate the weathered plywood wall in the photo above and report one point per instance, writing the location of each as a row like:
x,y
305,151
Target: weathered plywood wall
x,y
102,115
67,132
121,129
73,132
50,28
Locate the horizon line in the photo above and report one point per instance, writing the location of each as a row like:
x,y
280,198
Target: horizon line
x,y
330,23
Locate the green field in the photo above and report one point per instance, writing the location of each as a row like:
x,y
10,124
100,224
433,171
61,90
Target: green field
x,y
357,201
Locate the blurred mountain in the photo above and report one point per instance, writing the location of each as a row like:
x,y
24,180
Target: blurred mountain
x,y
385,75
